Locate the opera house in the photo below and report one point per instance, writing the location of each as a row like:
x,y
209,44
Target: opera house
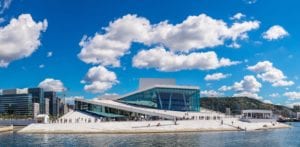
x,y
154,99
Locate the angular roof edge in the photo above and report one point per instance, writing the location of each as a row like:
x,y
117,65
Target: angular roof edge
x,y
158,86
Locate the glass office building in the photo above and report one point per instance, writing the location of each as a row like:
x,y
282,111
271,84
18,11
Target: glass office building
x,y
38,97
16,104
53,100
21,102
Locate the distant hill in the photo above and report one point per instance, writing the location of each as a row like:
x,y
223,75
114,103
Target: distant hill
x,y
236,104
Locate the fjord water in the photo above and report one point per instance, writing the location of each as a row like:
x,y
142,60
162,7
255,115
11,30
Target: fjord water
x,y
274,138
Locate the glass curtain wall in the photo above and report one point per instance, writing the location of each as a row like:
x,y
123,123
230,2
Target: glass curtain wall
x,y
166,99
17,105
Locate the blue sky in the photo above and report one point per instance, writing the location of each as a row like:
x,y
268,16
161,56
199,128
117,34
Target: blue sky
x,y
262,61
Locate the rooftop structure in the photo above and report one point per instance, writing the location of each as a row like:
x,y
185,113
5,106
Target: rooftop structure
x,y
149,82
14,91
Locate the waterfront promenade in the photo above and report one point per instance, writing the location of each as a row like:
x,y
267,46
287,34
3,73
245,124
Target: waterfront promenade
x,y
229,124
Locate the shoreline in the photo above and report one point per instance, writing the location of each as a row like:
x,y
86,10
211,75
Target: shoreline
x,y
6,128
141,128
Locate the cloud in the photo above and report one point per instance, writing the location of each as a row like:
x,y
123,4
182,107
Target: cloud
x,y
4,5
248,87
275,32
202,31
49,54
274,95
225,88
249,84
250,1
107,96
50,84
194,33
102,50
98,79
238,16
41,66
1,20
71,99
20,38
216,76
292,95
211,93
247,94
152,58
268,73
291,104
267,101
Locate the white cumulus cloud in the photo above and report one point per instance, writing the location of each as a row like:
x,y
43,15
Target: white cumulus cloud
x,y
211,93
248,87
275,32
20,38
50,84
247,94
249,84
98,79
292,95
267,72
238,16
274,95
164,60
267,101
71,99
225,88
193,33
216,76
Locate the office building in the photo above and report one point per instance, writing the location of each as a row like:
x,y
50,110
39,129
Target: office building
x,y
38,97
28,102
16,104
53,103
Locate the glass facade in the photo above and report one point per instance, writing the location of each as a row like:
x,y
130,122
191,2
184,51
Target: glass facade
x,y
38,97
16,104
177,99
53,103
106,112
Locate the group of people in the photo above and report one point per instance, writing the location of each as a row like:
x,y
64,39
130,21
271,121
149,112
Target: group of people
x,y
78,120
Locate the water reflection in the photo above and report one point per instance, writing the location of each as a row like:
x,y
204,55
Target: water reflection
x,y
273,138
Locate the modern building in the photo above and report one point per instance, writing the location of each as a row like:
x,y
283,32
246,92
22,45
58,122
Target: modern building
x,y
36,109
155,98
38,97
53,103
296,108
28,102
257,115
298,115
16,104
47,106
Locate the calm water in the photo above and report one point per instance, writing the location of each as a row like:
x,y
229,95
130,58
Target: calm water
x,y
270,138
